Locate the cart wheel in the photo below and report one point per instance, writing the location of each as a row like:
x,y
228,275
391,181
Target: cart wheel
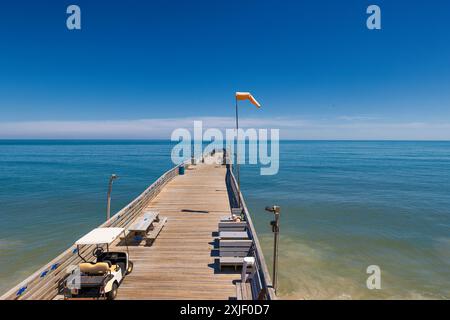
x,y
130,267
113,293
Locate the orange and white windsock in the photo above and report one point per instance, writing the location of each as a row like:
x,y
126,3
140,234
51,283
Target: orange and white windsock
x,y
247,96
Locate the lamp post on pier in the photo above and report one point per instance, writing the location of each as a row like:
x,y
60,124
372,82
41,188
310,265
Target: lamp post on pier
x,y
108,201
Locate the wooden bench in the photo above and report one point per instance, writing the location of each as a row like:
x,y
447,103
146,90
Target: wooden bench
x,y
143,224
250,290
153,234
250,286
146,227
232,226
234,212
233,235
232,252
243,291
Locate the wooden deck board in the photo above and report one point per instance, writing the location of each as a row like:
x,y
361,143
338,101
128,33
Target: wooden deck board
x,y
181,262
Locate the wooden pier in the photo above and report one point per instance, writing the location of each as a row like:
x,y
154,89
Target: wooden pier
x,y
182,262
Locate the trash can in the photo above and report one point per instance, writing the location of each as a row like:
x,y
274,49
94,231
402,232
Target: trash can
x,y
181,170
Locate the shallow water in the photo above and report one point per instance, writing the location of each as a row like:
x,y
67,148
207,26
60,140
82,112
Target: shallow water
x,y
345,206
348,205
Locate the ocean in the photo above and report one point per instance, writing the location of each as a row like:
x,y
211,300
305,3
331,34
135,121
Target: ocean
x,y
346,205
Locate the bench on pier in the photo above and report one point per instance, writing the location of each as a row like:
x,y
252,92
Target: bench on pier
x,y
249,287
142,224
233,235
232,226
147,227
233,252
235,212
249,290
227,223
243,291
153,234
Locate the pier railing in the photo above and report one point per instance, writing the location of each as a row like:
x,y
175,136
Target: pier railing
x,y
47,282
262,276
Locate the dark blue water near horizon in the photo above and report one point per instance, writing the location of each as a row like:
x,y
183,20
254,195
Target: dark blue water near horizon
x,y
345,205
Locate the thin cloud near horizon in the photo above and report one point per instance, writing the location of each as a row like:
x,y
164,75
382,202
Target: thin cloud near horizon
x,y
340,128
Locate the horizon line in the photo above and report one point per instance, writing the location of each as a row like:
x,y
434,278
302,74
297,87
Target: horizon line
x,y
168,140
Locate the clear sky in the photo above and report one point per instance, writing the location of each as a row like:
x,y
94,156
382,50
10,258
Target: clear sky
x,y
138,68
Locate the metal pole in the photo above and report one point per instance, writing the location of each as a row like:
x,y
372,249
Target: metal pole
x,y
108,201
275,251
237,155
276,233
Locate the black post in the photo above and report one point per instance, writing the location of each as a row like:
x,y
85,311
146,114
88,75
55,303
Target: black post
x,y
276,236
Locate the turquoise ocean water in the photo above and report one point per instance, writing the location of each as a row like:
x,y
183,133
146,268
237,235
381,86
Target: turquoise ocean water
x,y
345,206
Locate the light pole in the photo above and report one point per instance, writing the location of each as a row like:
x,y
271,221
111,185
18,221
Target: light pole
x,y
237,154
108,201
241,96
276,233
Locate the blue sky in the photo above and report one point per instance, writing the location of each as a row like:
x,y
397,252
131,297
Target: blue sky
x,y
138,69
